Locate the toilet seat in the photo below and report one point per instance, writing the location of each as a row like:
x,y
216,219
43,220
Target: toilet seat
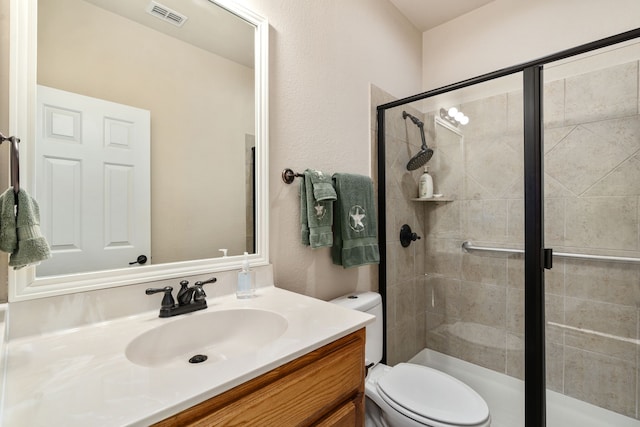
x,y
432,397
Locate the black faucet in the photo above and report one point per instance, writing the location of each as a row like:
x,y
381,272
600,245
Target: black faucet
x,y
189,299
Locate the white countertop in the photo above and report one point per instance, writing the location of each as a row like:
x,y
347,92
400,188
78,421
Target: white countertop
x,y
81,376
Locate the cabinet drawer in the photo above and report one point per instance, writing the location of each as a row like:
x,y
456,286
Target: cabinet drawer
x,y
345,416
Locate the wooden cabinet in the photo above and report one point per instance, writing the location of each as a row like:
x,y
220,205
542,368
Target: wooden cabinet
x,y
322,388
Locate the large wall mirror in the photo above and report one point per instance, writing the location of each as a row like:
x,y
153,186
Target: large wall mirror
x,y
144,138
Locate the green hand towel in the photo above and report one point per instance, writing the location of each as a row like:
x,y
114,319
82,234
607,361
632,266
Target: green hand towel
x,y
356,228
304,221
32,246
318,218
322,185
8,234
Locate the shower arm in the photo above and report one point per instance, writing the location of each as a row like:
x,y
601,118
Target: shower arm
x,y
420,125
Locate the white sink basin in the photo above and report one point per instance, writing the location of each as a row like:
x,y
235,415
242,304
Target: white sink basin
x,y
218,335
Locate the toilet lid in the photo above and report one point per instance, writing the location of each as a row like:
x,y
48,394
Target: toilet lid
x,y
432,394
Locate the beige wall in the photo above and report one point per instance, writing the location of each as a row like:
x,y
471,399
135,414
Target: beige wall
x,y
324,55
195,141
508,32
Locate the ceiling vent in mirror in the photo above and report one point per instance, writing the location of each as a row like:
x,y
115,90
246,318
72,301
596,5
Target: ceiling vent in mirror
x,y
161,11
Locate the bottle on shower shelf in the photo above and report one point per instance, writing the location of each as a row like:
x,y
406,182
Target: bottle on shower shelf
x,y
425,185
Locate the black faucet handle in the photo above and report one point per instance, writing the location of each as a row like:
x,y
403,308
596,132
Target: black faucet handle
x,y
200,294
167,300
212,280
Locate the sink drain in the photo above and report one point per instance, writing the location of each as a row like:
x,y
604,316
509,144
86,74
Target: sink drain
x,y
198,358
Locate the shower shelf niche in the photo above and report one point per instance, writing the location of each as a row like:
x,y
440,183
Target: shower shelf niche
x,y
433,199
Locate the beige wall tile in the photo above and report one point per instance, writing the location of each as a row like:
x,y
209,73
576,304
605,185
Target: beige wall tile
x,y
604,222
622,181
493,162
405,302
553,135
554,361
601,380
515,311
554,189
554,222
580,160
618,348
484,268
515,112
443,220
485,220
611,282
607,93
473,189
515,224
553,279
443,256
488,116
613,319
483,304
554,103
442,296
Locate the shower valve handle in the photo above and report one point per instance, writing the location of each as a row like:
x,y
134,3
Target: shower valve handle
x,y
407,236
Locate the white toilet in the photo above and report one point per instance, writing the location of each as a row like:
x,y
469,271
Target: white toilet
x,y
409,395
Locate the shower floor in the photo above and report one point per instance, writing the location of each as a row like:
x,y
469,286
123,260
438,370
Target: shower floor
x,y
504,395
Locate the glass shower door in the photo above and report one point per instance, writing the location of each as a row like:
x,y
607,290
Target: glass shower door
x,y
449,306
592,214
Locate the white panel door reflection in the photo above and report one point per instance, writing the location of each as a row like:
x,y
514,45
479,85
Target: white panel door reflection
x,y
92,182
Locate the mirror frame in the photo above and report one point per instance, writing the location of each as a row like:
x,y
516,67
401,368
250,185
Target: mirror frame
x,y
23,283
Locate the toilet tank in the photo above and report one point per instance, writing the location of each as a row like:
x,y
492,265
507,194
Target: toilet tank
x,y
368,302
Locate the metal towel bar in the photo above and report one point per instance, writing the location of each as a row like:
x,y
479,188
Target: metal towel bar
x,y
288,175
15,161
468,246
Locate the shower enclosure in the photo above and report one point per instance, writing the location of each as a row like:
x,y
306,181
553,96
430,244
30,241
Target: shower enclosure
x,y
526,280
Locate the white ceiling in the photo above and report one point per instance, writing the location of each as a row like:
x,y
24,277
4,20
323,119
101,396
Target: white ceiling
x,y
426,14
208,26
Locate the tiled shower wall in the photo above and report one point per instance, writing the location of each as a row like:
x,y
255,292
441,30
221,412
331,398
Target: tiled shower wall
x,y
406,280
472,303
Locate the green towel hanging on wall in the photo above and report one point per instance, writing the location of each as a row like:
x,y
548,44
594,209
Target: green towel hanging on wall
x,y
356,228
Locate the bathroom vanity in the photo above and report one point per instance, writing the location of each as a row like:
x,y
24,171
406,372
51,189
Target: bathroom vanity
x,y
133,371
324,388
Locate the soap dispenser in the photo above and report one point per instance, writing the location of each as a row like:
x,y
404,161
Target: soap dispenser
x,y
246,284
425,185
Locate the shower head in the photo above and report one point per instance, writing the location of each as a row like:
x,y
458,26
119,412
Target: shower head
x,y
425,153
420,159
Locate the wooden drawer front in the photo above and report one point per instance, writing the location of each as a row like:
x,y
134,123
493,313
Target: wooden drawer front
x,y
300,398
298,393
345,416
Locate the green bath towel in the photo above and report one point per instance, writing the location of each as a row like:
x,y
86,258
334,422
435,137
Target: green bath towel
x,y
356,228
316,216
8,234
